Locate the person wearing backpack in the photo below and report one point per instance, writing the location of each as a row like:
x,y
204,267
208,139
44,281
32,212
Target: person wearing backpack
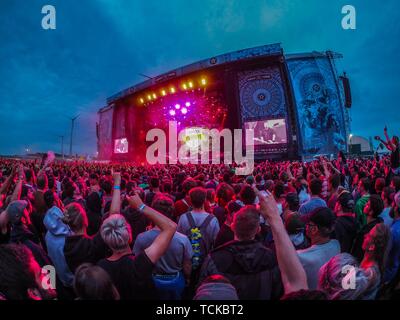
x,y
250,267
200,227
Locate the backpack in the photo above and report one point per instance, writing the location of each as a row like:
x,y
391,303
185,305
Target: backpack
x,y
187,204
198,239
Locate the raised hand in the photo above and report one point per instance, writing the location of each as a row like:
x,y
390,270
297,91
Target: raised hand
x,y
135,201
21,172
268,206
117,177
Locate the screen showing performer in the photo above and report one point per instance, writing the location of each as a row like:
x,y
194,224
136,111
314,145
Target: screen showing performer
x,y
121,145
268,132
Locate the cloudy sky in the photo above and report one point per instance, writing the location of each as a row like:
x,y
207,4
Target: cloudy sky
x,y
100,46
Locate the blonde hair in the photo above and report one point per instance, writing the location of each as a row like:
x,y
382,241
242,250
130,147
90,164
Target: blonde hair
x,y
116,232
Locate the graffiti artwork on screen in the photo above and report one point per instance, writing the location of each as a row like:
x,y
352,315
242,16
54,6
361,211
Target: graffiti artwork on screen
x,y
268,132
121,145
320,115
320,120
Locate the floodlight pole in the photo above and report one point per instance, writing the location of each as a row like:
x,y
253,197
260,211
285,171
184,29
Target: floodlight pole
x,y
72,132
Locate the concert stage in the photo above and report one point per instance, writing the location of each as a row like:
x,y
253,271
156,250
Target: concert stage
x,y
296,104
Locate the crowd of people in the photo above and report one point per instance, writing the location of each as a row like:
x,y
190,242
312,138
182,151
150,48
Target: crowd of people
x,y
325,229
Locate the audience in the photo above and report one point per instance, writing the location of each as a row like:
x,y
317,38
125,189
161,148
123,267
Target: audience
x,y
109,230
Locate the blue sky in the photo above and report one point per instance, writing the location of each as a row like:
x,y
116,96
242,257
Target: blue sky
x,y
100,46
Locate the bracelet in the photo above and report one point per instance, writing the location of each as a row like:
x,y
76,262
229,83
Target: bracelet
x,y
141,207
117,188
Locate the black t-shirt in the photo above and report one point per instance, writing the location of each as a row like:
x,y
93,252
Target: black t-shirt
x,y
395,158
225,235
220,213
345,232
132,276
81,249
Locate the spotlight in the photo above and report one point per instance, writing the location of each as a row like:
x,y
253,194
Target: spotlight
x,y
190,84
184,86
148,97
177,106
203,82
154,96
187,104
163,92
141,100
172,90
184,110
172,112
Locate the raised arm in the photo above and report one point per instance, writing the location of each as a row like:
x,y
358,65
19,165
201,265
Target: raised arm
x,y
334,168
116,197
160,244
289,172
389,143
326,171
7,183
18,187
293,275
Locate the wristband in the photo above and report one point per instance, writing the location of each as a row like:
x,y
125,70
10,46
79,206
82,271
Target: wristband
x,y
141,207
117,188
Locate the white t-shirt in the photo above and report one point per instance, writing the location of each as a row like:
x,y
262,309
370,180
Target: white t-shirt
x,y
314,257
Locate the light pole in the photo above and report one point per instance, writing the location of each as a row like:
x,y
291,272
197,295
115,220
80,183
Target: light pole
x,y
72,132
350,143
62,146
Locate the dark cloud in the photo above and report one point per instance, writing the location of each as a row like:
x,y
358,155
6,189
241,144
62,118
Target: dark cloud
x,y
100,46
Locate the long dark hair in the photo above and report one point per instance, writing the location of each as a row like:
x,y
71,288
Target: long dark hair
x,y
16,274
93,283
381,241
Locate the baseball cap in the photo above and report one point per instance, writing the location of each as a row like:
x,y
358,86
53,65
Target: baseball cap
x,y
15,210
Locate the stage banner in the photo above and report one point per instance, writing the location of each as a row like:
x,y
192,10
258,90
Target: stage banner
x,y
319,109
261,94
105,142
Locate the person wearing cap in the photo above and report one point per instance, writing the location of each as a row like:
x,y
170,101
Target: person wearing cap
x,y
22,231
346,224
319,226
393,263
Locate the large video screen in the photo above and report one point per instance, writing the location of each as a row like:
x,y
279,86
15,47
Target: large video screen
x,y
121,145
268,132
